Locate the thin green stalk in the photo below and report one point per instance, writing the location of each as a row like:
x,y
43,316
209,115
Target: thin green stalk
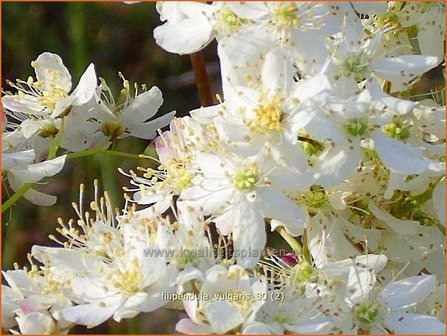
x,y
293,243
14,198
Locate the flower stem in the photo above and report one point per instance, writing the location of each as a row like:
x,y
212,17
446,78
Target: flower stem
x,y
293,243
202,82
17,195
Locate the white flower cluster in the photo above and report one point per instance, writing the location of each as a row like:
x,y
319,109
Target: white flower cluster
x,y
319,140
44,121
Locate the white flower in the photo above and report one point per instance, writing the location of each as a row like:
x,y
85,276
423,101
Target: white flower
x,y
49,97
239,195
228,299
32,173
120,119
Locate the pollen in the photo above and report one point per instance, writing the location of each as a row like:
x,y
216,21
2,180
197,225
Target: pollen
x,y
111,129
286,16
228,21
246,178
397,130
128,281
268,116
366,312
356,126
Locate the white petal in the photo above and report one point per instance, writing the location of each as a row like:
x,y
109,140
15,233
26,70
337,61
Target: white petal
x,y
431,31
223,316
50,67
17,159
400,226
248,234
247,45
143,107
276,205
404,323
37,171
148,130
277,72
400,294
36,323
398,156
92,314
86,87
186,326
439,201
185,37
402,69
256,328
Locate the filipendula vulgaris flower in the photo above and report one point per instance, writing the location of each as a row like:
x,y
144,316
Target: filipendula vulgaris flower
x,y
226,301
33,299
387,310
129,114
272,113
239,193
356,55
423,22
43,102
175,150
111,272
22,163
318,290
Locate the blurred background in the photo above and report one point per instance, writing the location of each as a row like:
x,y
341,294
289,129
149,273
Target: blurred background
x,y
115,37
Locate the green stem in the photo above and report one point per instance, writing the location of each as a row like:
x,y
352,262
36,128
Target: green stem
x,y
14,198
94,151
293,243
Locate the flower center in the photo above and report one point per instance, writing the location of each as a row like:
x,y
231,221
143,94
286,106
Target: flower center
x,y
268,116
50,98
48,130
177,177
246,178
286,16
128,281
396,130
228,21
355,65
111,129
315,197
356,126
302,272
366,312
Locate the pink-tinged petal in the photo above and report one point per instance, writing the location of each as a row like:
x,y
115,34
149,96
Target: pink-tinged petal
x,y
92,314
36,323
